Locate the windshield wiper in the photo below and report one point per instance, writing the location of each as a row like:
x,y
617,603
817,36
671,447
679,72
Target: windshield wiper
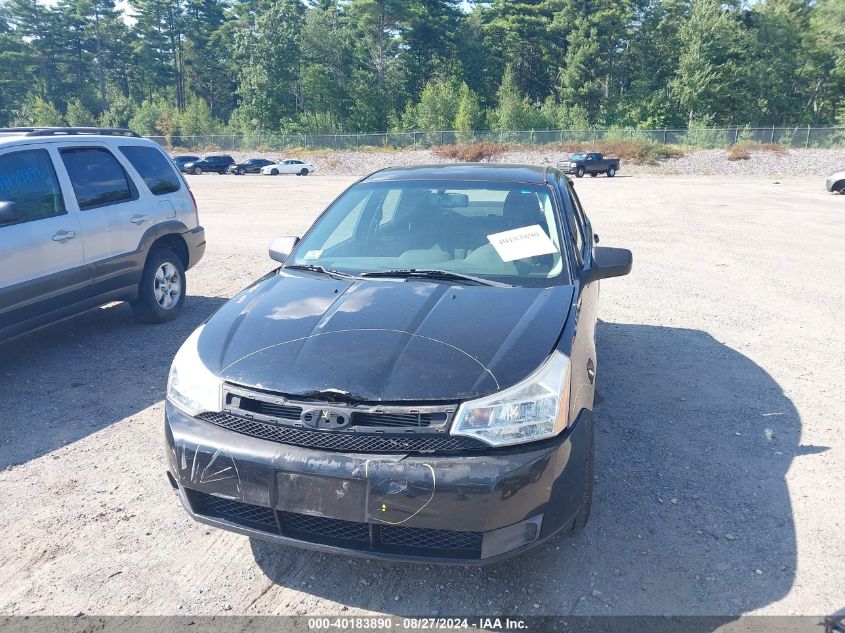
x,y
444,275
313,268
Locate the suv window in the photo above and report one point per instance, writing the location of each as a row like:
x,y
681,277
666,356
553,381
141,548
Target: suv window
x,y
97,178
28,181
154,168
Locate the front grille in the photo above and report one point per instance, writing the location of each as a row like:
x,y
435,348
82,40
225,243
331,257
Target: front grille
x,y
423,538
347,534
347,442
271,409
257,517
275,407
331,529
400,420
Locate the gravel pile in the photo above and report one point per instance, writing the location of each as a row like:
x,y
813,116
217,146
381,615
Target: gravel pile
x,y
714,162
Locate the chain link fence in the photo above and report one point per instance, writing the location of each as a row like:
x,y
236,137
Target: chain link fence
x,y
704,138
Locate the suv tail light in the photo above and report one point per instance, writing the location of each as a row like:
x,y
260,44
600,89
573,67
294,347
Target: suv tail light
x,y
196,209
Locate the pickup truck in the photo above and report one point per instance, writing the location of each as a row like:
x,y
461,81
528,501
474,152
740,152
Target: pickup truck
x,y
592,163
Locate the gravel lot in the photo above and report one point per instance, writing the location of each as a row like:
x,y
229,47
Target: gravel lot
x,y
719,481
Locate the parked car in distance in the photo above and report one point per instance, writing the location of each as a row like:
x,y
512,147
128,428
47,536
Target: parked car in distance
x,y
593,163
89,216
182,159
416,381
288,166
836,182
218,163
251,166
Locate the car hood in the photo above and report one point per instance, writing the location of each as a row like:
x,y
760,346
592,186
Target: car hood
x,y
382,340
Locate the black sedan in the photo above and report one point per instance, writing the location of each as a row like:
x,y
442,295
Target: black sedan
x,y
218,164
415,381
251,166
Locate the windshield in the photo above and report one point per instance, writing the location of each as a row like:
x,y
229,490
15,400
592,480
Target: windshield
x,y
500,231
577,156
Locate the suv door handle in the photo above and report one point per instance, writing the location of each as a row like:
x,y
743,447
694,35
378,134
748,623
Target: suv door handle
x,y
138,219
63,236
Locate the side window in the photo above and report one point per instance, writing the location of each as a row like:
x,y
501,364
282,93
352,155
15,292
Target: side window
x,y
154,168
98,179
572,221
584,222
29,189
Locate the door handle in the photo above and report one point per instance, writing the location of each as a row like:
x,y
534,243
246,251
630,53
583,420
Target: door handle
x,y
138,219
63,236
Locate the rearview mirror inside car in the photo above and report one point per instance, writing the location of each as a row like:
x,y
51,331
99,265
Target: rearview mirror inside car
x,y
281,247
8,212
608,262
452,200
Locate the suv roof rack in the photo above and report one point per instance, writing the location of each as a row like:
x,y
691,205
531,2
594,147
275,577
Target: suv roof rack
x,y
69,131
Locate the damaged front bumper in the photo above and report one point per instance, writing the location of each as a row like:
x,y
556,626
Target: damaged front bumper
x,y
436,508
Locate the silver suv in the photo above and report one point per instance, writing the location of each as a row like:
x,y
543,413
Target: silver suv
x,y
89,216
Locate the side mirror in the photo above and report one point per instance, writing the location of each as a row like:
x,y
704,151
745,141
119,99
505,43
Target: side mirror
x,y
608,262
8,213
282,247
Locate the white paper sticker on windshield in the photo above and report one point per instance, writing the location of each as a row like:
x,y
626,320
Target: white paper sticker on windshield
x,y
527,241
313,255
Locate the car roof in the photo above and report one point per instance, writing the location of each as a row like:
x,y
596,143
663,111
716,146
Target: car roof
x,y
486,172
22,138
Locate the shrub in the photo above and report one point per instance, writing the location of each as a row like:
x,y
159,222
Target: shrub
x,y
469,153
743,150
738,152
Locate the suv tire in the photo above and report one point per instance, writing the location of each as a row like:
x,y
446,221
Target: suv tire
x,y
611,172
579,173
197,171
161,293
587,496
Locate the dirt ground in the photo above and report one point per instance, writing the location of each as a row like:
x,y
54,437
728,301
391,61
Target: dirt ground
x,y
719,482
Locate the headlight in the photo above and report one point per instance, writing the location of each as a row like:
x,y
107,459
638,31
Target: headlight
x,y
534,409
572,164
190,385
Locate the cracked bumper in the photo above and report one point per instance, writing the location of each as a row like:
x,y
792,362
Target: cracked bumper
x,y
459,508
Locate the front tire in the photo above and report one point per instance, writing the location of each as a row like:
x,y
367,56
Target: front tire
x,y
274,172
303,172
197,171
161,293
579,173
611,172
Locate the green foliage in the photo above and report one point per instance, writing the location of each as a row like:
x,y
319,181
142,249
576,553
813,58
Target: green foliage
x,y
468,116
514,111
154,117
196,119
437,108
40,112
78,115
332,66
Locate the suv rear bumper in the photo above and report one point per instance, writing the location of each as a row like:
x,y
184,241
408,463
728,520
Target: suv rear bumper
x,y
465,509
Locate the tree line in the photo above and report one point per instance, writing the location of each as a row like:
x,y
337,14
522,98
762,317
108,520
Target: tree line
x,y
168,67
